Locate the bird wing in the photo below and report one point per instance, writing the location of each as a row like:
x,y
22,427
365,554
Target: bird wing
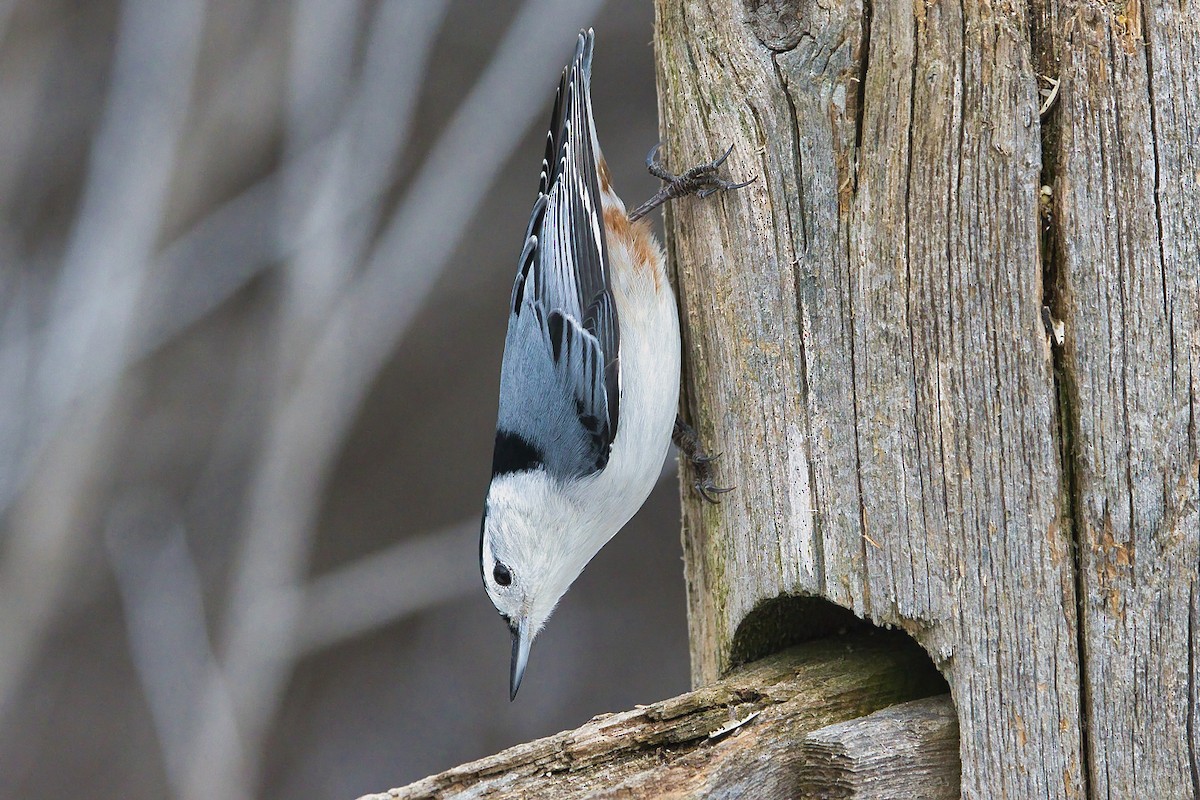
x,y
560,383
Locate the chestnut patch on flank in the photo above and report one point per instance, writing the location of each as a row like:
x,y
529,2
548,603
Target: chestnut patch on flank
x,y
605,175
637,239
618,224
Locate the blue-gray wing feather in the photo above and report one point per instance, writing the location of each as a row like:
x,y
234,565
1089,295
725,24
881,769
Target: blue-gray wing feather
x,y
559,385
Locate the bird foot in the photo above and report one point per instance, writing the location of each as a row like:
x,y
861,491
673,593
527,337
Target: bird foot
x,y
688,441
701,181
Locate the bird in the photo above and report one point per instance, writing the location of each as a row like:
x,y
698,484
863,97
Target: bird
x,y
589,380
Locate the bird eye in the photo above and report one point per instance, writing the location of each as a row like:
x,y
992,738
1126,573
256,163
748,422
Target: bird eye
x,y
502,574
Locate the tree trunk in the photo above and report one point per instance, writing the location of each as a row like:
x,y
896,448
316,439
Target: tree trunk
x,y
866,343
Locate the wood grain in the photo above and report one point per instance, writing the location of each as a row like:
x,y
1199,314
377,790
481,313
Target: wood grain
x,y
692,745
864,344
906,750
1126,251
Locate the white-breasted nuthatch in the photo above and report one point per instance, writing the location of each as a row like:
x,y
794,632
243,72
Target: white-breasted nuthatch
x,y
590,379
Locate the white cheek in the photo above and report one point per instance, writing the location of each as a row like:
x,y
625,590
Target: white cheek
x,y
493,593
502,597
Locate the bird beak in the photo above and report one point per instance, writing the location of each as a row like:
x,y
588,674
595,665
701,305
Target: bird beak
x,y
520,655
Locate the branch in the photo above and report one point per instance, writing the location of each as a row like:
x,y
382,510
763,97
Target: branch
x,y
406,578
163,603
742,736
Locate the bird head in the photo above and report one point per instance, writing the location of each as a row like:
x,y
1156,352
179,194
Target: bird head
x,y
535,539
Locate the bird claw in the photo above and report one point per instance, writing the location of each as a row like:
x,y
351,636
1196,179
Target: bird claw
x,y
688,442
652,162
706,486
700,180
702,463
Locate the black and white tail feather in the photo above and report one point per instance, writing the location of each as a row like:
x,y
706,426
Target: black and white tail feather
x,y
566,411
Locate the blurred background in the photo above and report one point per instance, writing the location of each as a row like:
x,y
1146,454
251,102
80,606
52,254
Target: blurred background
x,y
254,263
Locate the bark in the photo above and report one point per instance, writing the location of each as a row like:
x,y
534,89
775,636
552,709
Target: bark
x,y
740,737
865,344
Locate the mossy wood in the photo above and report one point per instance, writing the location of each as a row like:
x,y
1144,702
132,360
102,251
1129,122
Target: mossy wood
x,y
869,342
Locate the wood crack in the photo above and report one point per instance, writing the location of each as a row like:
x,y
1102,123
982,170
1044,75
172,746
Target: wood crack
x,y
1162,257
797,280
1071,490
797,159
1124,259
860,94
908,281
859,117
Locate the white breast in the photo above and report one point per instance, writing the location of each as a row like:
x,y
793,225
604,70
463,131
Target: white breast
x,y
650,353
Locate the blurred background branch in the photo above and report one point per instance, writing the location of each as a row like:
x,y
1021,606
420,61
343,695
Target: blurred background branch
x,y
253,264
91,307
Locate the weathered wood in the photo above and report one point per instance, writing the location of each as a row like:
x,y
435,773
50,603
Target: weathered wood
x,y
692,745
864,346
907,750
1124,158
